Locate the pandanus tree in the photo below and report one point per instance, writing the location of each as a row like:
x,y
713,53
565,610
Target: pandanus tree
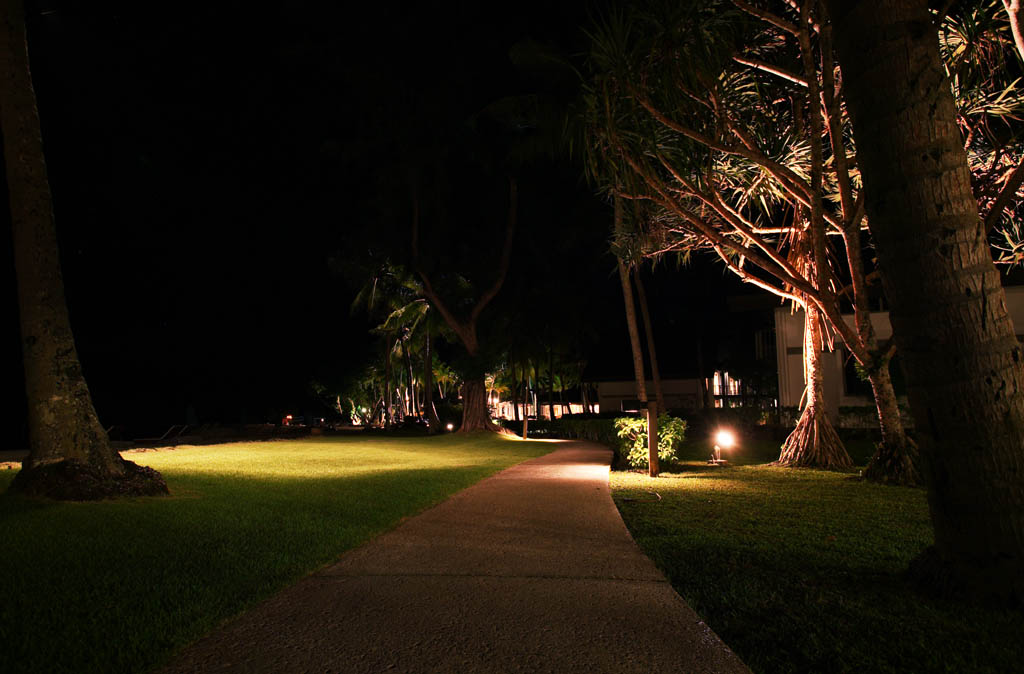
x,y
70,456
985,67
961,358
742,147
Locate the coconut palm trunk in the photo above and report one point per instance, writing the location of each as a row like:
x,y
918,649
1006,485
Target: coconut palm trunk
x,y
960,354
70,456
551,384
649,334
638,356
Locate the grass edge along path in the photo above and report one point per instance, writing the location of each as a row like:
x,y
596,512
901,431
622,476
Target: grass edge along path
x,y
802,570
119,586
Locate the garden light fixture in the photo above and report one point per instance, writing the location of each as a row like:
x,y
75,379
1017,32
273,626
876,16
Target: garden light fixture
x,y
724,439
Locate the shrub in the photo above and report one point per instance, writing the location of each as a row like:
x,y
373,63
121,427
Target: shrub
x,y
633,432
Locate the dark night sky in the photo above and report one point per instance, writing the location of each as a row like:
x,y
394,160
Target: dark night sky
x,y
208,161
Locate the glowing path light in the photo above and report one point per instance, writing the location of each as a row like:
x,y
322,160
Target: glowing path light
x,y
724,439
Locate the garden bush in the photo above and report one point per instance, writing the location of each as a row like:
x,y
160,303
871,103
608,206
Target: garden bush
x,y
633,433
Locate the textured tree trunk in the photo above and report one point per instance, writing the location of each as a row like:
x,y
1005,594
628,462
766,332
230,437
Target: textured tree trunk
x,y
70,456
956,340
649,333
475,415
814,442
894,460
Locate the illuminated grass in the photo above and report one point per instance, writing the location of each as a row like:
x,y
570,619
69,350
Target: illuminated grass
x,y
801,570
117,586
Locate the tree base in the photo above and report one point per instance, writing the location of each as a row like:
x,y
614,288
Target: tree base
x,y
894,464
814,443
488,426
77,481
999,584
475,415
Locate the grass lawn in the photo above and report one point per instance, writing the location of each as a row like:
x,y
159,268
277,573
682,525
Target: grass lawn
x,y
118,586
800,570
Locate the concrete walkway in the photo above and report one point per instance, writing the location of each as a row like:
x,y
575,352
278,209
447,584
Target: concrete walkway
x,y
531,570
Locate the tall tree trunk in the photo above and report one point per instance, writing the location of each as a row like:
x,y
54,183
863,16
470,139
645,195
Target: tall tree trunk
x,y
433,423
526,401
515,390
955,337
387,383
634,333
551,384
653,460
814,442
706,400
566,410
634,337
70,456
649,333
413,408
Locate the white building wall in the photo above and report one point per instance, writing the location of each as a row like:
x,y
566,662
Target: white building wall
x,y
679,393
789,336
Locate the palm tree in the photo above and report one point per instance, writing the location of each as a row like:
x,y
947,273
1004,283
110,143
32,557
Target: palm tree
x,y
961,357
70,456
653,467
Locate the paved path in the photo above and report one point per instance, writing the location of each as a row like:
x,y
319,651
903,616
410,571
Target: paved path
x,y
531,570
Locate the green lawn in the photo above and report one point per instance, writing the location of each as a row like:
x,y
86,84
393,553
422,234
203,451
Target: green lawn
x,y
118,586
801,570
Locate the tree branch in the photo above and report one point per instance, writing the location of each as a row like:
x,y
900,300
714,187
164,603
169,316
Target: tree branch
x,y
773,70
1010,187
468,338
765,15
506,255
1013,13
